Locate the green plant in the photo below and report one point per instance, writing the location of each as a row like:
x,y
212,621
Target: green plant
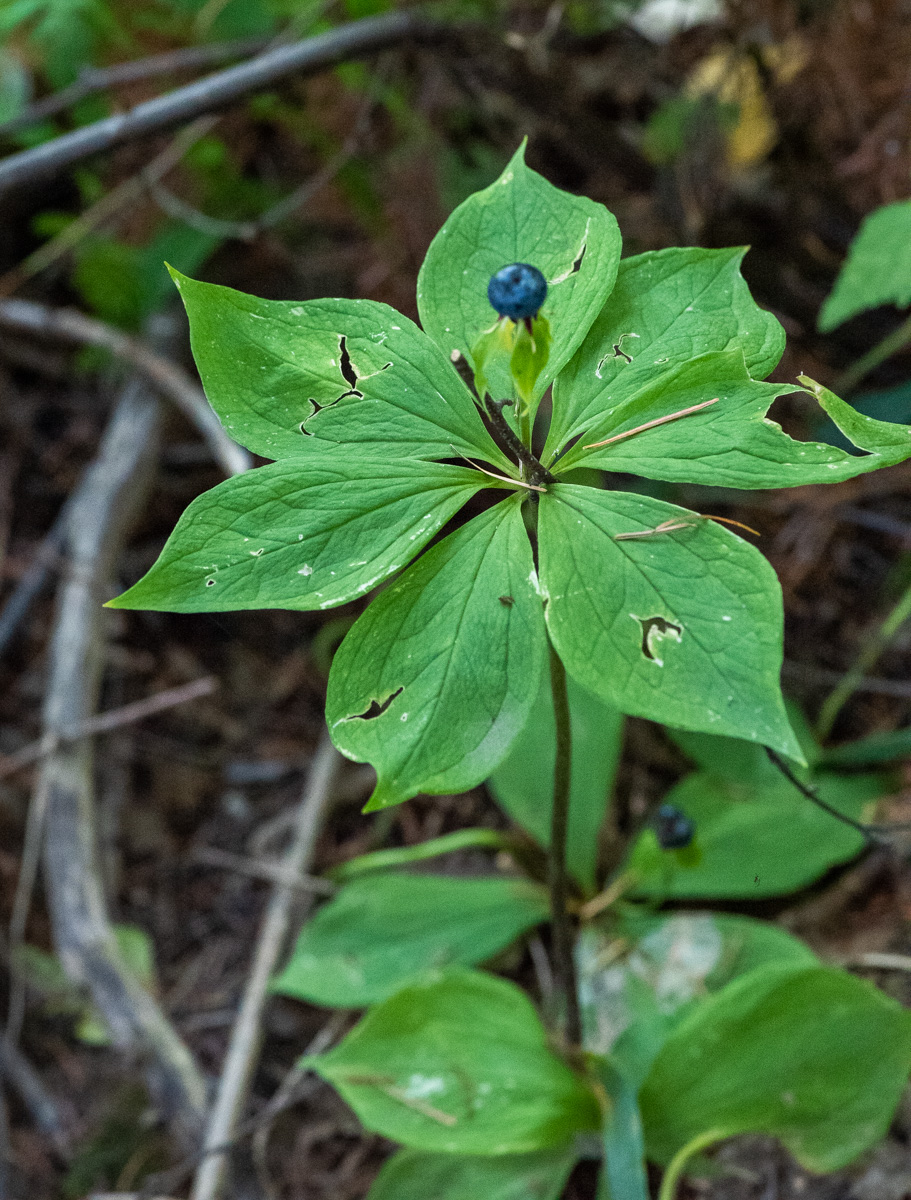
x,y
876,272
656,365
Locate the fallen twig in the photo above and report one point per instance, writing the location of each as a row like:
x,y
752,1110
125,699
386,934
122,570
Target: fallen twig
x,y
875,960
178,209
165,376
6,1156
92,80
116,718
34,578
116,201
206,95
83,935
243,1048
273,872
298,1085
23,1077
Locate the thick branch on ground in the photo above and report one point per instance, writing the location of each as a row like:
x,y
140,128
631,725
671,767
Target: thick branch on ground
x,y
93,80
165,376
246,1036
306,57
83,935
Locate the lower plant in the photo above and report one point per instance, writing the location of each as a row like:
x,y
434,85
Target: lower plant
x,y
553,606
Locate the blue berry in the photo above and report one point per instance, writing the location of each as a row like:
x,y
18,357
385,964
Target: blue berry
x,y
673,828
517,291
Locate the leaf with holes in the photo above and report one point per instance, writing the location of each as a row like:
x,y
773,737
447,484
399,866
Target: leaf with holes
x,y
810,1055
410,1175
436,679
459,1063
703,421
683,626
284,376
667,308
666,385
524,782
378,933
302,535
521,218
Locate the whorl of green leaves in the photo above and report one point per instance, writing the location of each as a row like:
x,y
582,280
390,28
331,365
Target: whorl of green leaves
x,y
657,366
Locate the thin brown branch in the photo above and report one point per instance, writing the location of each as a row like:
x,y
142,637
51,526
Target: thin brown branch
x,y
166,377
297,1086
255,868
93,80
179,210
115,718
354,40
246,1036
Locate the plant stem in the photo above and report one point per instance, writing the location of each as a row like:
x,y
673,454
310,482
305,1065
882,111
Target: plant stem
x,y
848,380
525,421
681,1158
533,470
564,963
870,652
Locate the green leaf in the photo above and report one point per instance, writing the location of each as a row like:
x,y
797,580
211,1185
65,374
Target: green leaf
x,y
531,350
682,627
400,856
410,1175
731,759
623,1174
302,534
436,679
343,371
109,282
812,1056
379,932
885,442
668,306
523,784
748,944
521,217
756,841
181,245
877,748
14,85
14,12
640,972
878,267
742,762
459,1063
728,441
